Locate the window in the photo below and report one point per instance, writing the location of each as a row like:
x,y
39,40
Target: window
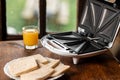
x,y
61,15
21,13
61,19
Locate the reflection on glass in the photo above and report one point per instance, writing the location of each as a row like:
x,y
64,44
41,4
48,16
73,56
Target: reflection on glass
x,y
21,13
61,15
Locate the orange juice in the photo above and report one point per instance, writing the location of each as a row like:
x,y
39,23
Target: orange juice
x,y
30,37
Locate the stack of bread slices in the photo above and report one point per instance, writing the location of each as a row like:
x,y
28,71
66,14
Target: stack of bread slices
x,y
36,67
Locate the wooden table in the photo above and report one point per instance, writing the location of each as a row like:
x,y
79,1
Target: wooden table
x,y
101,67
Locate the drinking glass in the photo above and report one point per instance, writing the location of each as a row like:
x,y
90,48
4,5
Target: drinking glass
x,y
30,37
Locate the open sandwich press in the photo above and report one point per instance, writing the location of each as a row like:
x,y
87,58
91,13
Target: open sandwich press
x,y
97,31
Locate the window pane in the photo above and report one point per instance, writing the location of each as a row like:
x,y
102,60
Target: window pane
x,y
21,13
61,15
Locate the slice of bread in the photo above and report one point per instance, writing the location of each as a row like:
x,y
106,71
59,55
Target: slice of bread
x,y
39,74
51,63
22,65
36,67
59,69
40,59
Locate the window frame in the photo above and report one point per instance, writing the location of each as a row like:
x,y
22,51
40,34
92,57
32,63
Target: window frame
x,y
41,21
3,30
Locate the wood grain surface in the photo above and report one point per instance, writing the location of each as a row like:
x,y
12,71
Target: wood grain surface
x,y
100,67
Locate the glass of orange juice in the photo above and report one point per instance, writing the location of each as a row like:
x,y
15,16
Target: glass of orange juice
x,y
30,37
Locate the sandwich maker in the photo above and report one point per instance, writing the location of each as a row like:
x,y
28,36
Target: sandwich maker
x,y
97,31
